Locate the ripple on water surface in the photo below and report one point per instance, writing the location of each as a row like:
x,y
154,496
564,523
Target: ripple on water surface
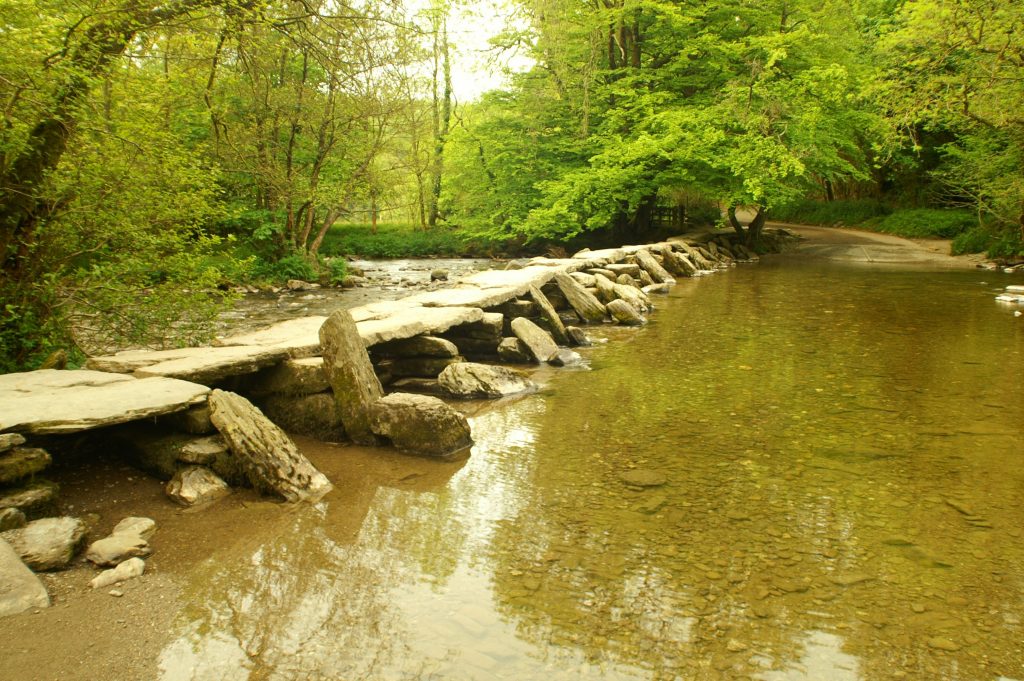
x,y
791,473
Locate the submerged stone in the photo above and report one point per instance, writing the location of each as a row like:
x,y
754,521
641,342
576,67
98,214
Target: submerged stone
x,y
642,477
420,424
472,380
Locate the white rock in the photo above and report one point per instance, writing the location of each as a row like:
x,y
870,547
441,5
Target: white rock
x,y
129,569
195,485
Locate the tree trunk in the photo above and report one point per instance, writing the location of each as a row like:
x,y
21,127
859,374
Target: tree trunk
x,y
735,222
442,116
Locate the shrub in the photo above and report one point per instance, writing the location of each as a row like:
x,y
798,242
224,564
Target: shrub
x,y
832,213
294,266
941,223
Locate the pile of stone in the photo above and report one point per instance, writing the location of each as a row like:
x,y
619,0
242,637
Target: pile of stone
x,y
23,496
51,544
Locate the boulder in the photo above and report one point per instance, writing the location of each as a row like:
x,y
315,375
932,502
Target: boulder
x,y
626,280
629,269
677,263
583,279
270,459
578,336
136,525
194,420
129,569
20,590
420,424
21,462
634,296
35,500
518,308
117,548
605,290
10,440
350,373
417,346
624,313
584,303
49,543
471,380
645,279
489,327
418,367
600,272
513,351
439,275
536,339
658,273
304,376
11,519
549,315
194,485
203,451
311,415
565,357
694,256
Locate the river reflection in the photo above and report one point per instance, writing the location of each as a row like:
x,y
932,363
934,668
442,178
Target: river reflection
x,y
792,473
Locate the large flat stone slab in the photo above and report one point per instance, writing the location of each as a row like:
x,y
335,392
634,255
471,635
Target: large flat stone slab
x,y
299,337
416,321
209,365
51,401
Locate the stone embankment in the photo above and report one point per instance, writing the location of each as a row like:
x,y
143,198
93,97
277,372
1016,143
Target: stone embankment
x,y
209,418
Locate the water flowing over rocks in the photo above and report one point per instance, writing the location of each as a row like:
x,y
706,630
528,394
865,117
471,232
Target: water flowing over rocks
x,y
271,460
420,424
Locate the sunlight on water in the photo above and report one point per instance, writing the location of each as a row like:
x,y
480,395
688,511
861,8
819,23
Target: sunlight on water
x,y
792,473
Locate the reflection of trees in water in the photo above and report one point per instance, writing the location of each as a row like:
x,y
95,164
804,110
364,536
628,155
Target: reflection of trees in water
x,y
798,500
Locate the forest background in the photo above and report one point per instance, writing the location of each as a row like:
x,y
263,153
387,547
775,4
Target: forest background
x,y
152,154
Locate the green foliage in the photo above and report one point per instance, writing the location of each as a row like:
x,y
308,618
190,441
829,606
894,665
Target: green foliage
x,y
403,241
337,270
994,242
834,213
923,223
293,266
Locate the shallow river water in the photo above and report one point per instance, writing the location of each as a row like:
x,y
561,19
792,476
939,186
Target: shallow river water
x,y
836,468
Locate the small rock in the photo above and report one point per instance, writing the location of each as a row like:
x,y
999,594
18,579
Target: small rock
x,y
643,478
9,440
470,380
624,313
513,351
49,543
194,485
439,275
578,336
11,519
142,527
129,569
115,593
734,646
203,451
536,339
564,357
116,548
940,643
300,285
35,499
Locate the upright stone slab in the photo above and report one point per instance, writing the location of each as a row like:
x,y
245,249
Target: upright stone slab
x,y
20,590
624,313
634,296
653,267
547,312
536,339
350,373
271,460
605,290
582,301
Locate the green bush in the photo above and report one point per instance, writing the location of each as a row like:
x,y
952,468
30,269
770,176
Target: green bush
x,y
336,268
293,266
974,240
832,213
923,223
402,241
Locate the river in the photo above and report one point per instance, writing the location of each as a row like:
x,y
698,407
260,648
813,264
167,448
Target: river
x,y
797,470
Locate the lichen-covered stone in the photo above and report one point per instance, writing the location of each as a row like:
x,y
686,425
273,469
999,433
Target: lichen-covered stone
x,y
350,373
421,424
9,440
658,273
304,376
513,351
270,459
584,303
625,314
550,316
578,336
